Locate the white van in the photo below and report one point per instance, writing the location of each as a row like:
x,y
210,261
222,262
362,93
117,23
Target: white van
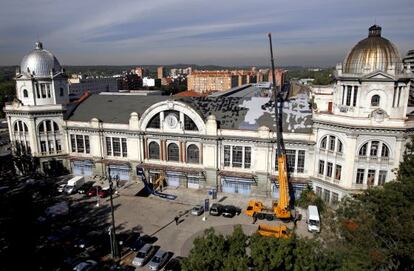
x,y
74,184
313,221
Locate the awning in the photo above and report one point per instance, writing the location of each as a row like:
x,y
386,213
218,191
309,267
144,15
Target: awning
x,y
305,181
244,175
116,162
187,170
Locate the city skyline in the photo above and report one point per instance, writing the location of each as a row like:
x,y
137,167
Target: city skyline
x,y
174,31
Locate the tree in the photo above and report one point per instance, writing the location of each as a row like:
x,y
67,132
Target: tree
x,y
308,197
207,253
236,259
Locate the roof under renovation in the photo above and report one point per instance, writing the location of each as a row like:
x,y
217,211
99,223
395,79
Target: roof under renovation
x,y
244,113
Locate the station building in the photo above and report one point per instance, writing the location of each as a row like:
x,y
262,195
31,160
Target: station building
x,y
340,146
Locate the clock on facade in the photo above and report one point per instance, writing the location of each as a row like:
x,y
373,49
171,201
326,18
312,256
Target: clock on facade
x,y
171,121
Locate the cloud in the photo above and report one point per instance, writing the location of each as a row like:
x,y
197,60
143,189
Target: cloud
x,y
317,32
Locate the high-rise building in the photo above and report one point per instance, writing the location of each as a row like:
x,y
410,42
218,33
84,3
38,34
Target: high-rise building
x,y
160,72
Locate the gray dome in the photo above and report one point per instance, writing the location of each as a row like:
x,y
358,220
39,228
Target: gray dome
x,y
40,62
372,54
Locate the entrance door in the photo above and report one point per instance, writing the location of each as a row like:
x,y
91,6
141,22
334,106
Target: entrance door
x,y
229,187
173,180
244,188
193,183
77,168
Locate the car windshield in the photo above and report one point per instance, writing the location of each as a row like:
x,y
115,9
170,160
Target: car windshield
x,y
141,254
69,187
313,222
156,259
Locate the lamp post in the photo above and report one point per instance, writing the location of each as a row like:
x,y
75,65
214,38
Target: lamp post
x,y
114,244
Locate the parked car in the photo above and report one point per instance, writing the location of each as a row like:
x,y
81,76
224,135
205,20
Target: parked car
x,y
118,267
127,239
141,241
61,188
143,255
104,192
230,211
93,191
85,188
216,209
197,210
86,266
159,259
74,184
174,264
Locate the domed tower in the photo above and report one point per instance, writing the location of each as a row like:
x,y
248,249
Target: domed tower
x,y
361,139
36,117
40,80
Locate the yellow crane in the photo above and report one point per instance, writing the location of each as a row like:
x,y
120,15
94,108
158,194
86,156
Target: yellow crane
x,y
280,209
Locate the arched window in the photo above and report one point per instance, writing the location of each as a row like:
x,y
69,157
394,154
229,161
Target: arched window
x,y
193,154
323,142
340,146
375,100
25,93
48,126
20,126
385,152
154,122
363,150
154,150
189,124
173,152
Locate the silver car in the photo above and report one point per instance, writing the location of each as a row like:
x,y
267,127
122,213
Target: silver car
x,y
197,210
143,255
158,260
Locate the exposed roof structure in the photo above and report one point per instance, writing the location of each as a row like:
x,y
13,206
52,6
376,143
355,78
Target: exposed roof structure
x,y
231,112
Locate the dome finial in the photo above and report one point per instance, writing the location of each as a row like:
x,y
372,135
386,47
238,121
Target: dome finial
x,y
374,31
39,45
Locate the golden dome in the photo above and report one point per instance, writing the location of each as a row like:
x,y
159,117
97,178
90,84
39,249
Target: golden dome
x,y
372,54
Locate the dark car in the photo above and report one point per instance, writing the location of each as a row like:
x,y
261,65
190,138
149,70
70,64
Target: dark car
x,y
230,211
174,264
127,239
141,241
216,209
93,191
105,192
85,188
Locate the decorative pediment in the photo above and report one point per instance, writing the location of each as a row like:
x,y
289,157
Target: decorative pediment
x,y
380,75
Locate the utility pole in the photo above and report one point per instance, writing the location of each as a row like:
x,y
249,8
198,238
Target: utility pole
x,y
112,231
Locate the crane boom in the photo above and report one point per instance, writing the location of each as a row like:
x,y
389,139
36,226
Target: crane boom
x,y
282,208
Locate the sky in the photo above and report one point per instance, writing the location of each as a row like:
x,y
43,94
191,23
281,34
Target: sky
x,y
225,32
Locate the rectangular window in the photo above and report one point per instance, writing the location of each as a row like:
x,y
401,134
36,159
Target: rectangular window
x,y
73,143
124,147
371,177
58,146
360,176
343,94
338,172
394,96
319,191
116,146
335,198
355,96
331,143
43,148
374,148
326,195
290,160
227,155
381,177
48,90
301,161
321,167
79,143
51,146
237,156
37,91
87,146
329,168
43,90
247,157
348,95
108,146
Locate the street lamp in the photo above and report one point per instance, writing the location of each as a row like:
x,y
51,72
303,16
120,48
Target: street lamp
x,y
114,244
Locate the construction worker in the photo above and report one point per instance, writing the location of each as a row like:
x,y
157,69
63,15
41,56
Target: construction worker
x,y
176,220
